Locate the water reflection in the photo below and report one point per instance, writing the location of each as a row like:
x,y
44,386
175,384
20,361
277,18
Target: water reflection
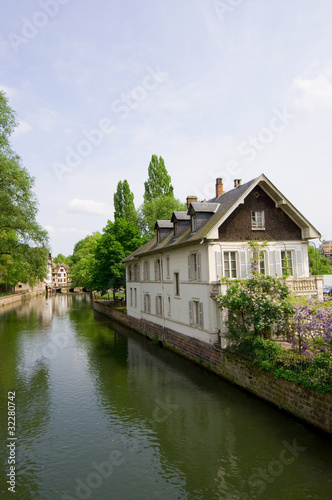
x,y
104,413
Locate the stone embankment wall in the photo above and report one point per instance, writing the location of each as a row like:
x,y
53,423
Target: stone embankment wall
x,y
19,297
306,404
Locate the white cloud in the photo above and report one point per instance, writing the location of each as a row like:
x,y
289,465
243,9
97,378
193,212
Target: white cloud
x,y
88,207
314,93
8,90
50,229
22,128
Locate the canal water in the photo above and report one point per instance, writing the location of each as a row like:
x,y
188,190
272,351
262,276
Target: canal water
x,y
109,415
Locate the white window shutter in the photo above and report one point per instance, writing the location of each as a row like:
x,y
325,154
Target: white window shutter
x,y
201,319
278,263
199,273
299,263
218,258
244,269
191,312
272,263
189,268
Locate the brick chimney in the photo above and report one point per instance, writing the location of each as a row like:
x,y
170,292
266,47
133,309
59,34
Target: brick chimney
x,y
237,182
191,199
219,187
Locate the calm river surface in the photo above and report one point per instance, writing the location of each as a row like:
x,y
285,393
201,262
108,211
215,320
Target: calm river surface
x,y
107,415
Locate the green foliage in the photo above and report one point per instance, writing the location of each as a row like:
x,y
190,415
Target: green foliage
x,y
159,202
159,181
313,373
83,261
119,239
23,242
123,199
160,208
258,306
318,264
61,259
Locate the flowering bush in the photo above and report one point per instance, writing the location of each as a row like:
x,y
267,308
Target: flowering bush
x,y
310,330
256,307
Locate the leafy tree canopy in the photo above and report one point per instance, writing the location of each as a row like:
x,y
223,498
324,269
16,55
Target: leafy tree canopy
x,y
159,181
119,239
23,242
318,264
83,261
160,208
124,207
61,259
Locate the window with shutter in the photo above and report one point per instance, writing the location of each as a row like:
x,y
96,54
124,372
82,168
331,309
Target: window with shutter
x,y
299,263
218,258
230,265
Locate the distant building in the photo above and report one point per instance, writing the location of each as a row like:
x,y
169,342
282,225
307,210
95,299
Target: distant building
x,y
326,248
60,275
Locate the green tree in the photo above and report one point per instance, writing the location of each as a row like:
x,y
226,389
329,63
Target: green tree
x,y
23,242
61,259
158,209
83,261
159,201
119,239
318,264
159,181
124,207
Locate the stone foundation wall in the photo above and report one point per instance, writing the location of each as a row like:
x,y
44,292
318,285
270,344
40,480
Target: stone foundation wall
x,y
20,297
306,404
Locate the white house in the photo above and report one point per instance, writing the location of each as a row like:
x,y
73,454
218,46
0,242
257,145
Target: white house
x,y
172,279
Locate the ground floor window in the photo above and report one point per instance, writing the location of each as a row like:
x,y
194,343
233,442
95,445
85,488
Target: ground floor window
x,y
147,303
159,305
287,263
196,313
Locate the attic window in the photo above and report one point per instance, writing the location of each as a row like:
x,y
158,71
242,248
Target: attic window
x,y
256,194
176,229
257,219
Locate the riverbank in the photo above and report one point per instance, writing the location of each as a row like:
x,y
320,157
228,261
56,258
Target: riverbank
x,y
19,297
305,404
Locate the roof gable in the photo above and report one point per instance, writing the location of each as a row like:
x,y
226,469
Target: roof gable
x,y
216,211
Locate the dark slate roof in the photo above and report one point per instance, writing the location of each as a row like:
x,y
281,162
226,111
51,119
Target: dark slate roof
x,y
180,216
164,224
203,207
220,208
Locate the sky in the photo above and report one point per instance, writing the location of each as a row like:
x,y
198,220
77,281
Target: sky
x,y
218,88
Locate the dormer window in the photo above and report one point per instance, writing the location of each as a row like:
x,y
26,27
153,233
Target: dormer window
x,y
158,235
193,223
176,229
257,219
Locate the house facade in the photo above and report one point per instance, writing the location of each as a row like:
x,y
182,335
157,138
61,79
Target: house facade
x,y
172,280
60,275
